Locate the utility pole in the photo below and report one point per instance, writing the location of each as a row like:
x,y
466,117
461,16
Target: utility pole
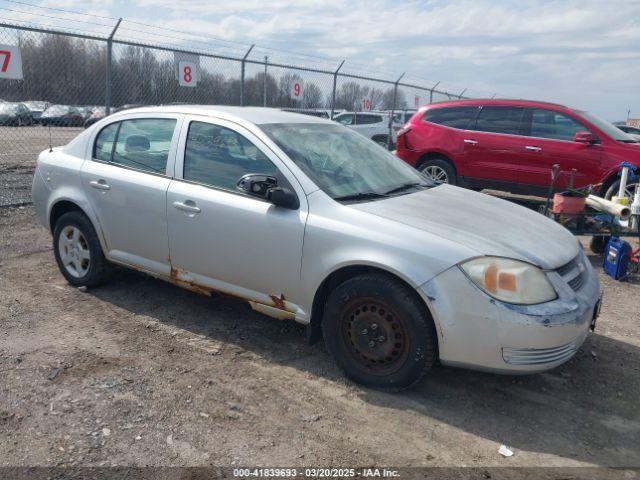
x,y
333,93
107,90
244,59
431,91
264,93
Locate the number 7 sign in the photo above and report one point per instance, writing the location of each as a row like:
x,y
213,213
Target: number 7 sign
x,y
10,62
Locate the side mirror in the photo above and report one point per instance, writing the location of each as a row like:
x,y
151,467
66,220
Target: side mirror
x,y
256,184
585,137
283,197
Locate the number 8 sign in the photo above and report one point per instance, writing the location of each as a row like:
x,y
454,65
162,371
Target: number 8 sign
x,y
10,62
188,74
296,90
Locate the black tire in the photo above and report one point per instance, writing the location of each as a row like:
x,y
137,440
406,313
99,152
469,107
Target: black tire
x,y
441,165
615,186
382,140
598,244
96,266
379,332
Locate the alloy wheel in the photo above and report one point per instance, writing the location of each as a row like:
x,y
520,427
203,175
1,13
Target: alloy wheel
x,y
74,251
435,173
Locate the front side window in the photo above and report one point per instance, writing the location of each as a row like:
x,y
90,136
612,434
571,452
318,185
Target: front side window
x,y
454,117
219,157
506,120
363,119
554,125
142,144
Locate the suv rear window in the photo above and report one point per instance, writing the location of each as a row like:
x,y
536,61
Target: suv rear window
x,y
500,120
455,117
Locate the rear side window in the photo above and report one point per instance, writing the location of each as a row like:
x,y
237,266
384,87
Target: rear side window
x,y
142,144
367,119
553,125
500,120
455,117
344,119
219,157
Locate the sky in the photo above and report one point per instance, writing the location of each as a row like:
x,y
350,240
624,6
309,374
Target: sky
x,y
584,54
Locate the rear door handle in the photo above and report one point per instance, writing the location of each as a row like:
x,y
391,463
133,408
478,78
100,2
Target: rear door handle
x,y
533,148
187,206
470,141
99,184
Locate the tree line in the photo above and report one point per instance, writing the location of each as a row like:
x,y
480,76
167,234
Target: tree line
x,y
65,70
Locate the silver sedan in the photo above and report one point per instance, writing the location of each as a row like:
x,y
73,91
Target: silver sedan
x,y
309,221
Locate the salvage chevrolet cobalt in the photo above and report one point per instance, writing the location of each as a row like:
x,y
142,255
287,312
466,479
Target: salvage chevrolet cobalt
x,y
307,220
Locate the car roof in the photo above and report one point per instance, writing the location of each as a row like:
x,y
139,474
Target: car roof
x,y
496,101
256,115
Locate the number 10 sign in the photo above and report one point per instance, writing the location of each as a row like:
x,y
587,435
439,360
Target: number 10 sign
x,y
10,62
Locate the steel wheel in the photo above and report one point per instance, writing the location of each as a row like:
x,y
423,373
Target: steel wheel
x,y
74,251
376,338
435,173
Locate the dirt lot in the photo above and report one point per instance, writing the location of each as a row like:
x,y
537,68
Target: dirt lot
x,y
154,375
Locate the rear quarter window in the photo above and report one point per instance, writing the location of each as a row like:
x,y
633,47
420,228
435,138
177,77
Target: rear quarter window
x,y
454,117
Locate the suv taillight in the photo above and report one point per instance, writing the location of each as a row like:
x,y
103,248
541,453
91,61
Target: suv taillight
x,y
404,130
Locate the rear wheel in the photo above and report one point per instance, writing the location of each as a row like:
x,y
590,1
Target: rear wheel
x,y
78,251
438,171
379,332
629,191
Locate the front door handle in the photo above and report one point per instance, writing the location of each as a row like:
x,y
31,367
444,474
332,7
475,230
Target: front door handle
x,y
470,141
99,184
531,148
187,206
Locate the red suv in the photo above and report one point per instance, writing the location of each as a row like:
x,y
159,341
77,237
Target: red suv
x,y
512,145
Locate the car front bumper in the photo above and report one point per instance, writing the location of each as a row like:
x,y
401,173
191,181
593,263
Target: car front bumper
x,y
476,331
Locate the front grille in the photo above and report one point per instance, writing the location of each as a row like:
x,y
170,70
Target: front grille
x,y
574,273
539,356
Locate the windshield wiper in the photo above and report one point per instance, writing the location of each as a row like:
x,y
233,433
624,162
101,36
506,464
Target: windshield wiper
x,y
404,186
360,196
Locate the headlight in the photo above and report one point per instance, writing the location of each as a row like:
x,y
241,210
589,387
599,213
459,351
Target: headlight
x,y
510,281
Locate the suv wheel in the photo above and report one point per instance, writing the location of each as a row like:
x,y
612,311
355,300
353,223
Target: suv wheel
x,y
438,171
379,332
78,251
629,191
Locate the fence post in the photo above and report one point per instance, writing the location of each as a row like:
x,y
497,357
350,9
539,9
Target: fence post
x,y
264,83
107,89
393,109
244,59
333,93
461,93
431,91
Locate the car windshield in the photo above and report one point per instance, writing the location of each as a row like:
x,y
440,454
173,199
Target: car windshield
x,y
57,110
343,163
608,128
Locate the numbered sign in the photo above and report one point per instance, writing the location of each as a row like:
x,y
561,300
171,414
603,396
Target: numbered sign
x,y
416,101
366,104
188,74
10,62
295,91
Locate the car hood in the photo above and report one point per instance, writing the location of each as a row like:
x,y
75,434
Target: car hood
x,y
480,222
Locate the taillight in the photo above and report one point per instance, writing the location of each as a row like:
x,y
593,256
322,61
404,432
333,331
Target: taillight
x,y
402,138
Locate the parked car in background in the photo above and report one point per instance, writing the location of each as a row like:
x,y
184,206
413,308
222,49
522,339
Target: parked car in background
x,y
15,114
405,115
62,116
513,144
632,131
36,108
396,273
373,125
100,112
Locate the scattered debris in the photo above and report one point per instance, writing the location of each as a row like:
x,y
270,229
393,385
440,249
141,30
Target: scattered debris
x,y
106,431
505,451
82,289
169,439
204,415
310,418
54,373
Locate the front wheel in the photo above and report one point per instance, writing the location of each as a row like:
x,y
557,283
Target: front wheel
x,y
629,191
379,332
77,250
438,171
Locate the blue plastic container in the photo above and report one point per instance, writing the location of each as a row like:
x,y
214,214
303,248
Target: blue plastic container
x,y
616,258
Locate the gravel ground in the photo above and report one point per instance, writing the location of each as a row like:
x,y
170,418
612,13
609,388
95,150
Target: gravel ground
x,y
139,372
19,148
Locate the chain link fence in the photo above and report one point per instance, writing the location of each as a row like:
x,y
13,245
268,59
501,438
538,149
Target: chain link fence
x,y
70,78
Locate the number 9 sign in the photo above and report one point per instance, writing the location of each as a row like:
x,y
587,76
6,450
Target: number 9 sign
x,y
296,90
188,74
